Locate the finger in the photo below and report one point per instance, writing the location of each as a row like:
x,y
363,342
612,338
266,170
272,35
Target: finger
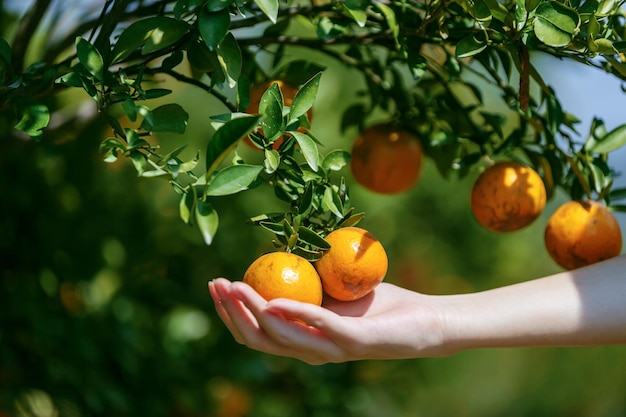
x,y
233,312
286,336
217,299
327,321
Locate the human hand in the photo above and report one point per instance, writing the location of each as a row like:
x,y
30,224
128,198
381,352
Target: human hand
x,y
389,323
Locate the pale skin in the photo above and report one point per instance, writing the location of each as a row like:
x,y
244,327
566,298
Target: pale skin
x,y
584,307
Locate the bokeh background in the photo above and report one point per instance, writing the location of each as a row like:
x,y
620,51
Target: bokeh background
x,y
104,309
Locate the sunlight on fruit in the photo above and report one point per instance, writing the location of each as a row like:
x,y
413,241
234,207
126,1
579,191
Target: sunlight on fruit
x,y
580,233
507,196
284,275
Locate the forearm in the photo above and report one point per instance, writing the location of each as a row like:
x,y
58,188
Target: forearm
x,y
582,307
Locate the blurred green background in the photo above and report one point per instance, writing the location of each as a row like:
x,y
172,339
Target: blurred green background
x,y
104,309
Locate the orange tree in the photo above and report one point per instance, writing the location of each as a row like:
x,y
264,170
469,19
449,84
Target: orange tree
x,y
412,56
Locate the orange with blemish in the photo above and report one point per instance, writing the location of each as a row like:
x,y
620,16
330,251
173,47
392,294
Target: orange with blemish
x,y
507,196
353,266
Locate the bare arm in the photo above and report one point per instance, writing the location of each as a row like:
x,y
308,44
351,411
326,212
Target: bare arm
x,y
583,307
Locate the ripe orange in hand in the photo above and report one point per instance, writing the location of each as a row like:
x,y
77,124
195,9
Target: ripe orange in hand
x,y
257,91
581,233
353,266
284,275
507,196
386,160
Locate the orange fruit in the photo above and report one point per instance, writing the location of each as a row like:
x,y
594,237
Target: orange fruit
x,y
353,266
386,159
580,233
256,92
284,275
507,196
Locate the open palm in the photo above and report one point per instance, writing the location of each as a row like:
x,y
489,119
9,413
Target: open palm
x,y
338,331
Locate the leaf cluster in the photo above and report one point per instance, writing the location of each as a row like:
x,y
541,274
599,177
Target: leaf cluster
x,y
412,56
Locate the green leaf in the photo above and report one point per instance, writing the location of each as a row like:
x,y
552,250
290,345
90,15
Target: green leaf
x,y
90,58
271,108
469,46
167,118
34,117
187,206
612,141
213,26
357,10
71,79
352,220
207,220
604,46
621,208
332,201
133,139
607,7
390,17
521,14
225,139
336,160
112,147
309,237
305,202
597,176
276,228
304,99
148,35
617,194
217,5
309,150
232,179
230,59
201,58
172,60
156,93
272,161
139,161
481,11
269,7
309,255
555,23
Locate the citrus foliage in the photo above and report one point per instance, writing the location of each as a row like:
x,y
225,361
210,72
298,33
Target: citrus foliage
x,y
131,352
413,57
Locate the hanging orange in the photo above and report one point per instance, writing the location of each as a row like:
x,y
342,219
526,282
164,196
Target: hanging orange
x,y
386,160
507,196
581,233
